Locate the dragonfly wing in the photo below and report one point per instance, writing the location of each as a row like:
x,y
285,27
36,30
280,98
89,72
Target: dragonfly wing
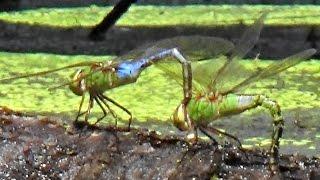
x,y
232,72
275,68
81,64
203,71
200,71
133,54
171,70
225,69
249,38
192,47
93,71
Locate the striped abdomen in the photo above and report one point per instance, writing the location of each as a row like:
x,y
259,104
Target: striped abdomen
x,y
204,110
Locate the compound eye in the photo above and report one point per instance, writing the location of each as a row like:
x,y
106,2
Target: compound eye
x,y
77,84
78,76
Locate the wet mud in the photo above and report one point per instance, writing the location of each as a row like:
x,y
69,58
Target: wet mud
x,y
42,148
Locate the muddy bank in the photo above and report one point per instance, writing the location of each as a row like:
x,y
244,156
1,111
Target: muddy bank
x,y
36,148
275,42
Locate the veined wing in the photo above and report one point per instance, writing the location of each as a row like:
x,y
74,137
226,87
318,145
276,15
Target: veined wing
x,y
232,72
215,74
202,46
173,70
200,71
274,69
81,64
192,47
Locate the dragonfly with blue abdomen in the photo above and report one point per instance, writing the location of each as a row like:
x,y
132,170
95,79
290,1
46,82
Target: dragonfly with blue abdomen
x,y
216,84
97,77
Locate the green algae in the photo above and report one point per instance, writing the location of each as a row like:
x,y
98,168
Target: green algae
x,y
189,15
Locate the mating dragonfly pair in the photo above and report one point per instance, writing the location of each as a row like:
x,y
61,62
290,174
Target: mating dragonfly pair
x,y
210,86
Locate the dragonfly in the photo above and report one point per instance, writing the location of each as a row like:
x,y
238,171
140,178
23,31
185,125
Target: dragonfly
x,y
95,78
216,86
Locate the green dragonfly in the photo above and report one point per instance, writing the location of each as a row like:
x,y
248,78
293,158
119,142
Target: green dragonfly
x,y
215,90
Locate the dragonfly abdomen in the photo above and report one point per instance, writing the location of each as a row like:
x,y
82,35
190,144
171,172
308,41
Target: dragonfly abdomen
x,y
204,110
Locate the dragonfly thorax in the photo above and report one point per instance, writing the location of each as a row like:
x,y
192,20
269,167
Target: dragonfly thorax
x,y
78,86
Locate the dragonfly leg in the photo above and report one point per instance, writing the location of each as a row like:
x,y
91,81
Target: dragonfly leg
x,y
217,131
118,105
113,114
80,107
110,110
88,109
204,131
103,110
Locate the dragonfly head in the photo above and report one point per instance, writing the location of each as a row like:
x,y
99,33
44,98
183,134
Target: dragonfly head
x,y
179,120
77,85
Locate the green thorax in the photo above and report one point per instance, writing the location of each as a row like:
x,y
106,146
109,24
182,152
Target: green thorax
x,y
101,81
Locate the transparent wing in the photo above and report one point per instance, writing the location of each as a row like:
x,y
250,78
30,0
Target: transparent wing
x,y
201,71
81,64
192,47
232,72
274,68
221,73
173,71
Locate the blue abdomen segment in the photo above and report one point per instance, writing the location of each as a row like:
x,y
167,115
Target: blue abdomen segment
x,y
130,69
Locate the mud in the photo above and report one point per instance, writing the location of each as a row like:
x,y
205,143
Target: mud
x,y
42,148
